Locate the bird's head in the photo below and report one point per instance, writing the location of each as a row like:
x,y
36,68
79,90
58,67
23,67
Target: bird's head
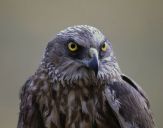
x,y
81,53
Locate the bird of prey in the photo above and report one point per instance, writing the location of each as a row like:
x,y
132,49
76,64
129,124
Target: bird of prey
x,y
79,84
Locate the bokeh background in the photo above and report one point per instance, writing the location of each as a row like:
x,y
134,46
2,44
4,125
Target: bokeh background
x,y
135,28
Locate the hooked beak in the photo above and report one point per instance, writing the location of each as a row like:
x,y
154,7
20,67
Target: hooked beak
x,y
93,63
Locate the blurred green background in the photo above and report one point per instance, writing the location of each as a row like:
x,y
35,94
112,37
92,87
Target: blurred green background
x,y
135,28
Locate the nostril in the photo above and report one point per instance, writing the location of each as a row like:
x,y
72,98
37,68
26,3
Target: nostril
x,y
93,52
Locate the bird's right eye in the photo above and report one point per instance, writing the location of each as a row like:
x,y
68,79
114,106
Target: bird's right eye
x,y
72,46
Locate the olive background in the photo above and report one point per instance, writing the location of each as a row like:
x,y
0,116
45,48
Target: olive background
x,y
135,28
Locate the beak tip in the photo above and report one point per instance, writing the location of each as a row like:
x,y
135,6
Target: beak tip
x,y
96,73
94,65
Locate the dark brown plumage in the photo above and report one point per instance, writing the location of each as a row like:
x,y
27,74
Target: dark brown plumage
x,y
79,85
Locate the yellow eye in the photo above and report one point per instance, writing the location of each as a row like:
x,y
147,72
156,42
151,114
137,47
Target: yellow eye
x,y
104,47
72,46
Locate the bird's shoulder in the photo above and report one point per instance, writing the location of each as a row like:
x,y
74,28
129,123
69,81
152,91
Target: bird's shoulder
x,y
129,103
32,93
34,83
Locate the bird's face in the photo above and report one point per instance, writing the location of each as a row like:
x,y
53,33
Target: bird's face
x,y
82,53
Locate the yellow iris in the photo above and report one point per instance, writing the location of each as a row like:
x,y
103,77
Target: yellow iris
x,y
104,47
72,46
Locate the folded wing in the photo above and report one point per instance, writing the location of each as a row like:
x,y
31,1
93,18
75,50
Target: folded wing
x,y
129,104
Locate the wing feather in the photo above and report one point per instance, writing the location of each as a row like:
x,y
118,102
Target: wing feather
x,y
129,104
29,116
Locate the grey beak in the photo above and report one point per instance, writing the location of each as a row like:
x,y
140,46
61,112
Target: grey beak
x,y
93,63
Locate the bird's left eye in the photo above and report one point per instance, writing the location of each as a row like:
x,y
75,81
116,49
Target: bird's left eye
x,y
72,46
104,47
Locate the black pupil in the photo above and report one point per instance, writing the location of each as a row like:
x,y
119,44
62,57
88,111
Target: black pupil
x,y
73,45
103,45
